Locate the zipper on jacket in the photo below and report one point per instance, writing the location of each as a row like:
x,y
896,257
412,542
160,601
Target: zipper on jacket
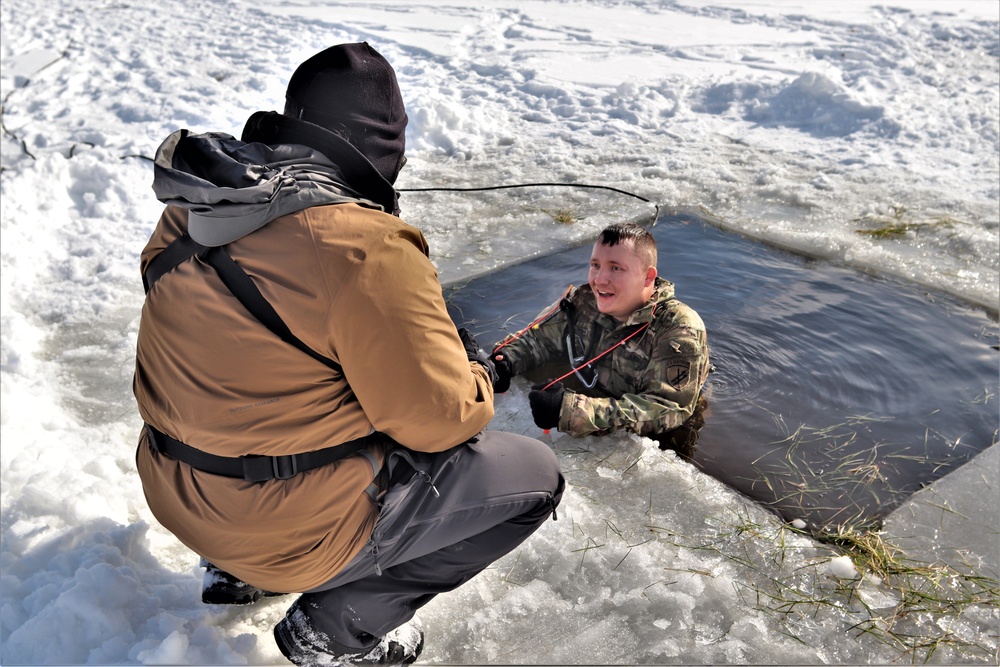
x,y
427,478
556,498
420,471
378,569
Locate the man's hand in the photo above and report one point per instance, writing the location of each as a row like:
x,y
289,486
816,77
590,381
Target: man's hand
x,y
504,374
476,353
546,404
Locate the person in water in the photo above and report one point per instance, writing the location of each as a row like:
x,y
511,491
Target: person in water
x,y
322,432
637,357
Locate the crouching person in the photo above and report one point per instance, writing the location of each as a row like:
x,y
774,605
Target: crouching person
x,y
313,418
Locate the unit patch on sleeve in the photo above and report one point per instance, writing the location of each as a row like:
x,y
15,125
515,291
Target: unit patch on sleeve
x,y
678,374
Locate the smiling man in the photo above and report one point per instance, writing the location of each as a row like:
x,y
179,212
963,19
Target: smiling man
x,y
633,357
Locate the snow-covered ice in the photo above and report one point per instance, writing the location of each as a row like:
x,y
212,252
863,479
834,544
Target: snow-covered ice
x,y
793,122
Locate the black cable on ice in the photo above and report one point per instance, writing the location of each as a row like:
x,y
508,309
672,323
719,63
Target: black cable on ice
x,y
656,207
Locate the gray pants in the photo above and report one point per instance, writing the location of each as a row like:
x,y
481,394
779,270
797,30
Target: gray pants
x,y
443,519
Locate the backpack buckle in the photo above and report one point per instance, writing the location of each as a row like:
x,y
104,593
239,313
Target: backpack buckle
x,y
265,468
285,467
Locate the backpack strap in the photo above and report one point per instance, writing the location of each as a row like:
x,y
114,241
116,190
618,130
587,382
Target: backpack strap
x,y
243,288
181,249
256,467
236,281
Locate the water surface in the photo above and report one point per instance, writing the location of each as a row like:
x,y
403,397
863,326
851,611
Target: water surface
x,y
835,394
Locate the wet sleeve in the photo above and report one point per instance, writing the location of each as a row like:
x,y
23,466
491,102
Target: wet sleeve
x,y
401,352
668,392
538,344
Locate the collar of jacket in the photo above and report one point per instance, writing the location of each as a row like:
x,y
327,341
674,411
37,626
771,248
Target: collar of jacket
x,y
232,188
662,292
271,127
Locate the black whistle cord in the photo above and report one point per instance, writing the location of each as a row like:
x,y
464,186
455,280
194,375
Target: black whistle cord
x,y
656,207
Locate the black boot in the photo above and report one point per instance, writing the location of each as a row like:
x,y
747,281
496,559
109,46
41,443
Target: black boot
x,y
401,646
219,587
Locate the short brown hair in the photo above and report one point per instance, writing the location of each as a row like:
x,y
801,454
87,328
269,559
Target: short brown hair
x,y
636,236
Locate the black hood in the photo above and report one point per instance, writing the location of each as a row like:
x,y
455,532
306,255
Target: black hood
x,y
350,89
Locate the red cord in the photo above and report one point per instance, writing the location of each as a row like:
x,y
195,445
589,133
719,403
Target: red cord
x,y
619,343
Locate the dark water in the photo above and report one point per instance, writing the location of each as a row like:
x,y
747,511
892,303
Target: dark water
x,y
836,394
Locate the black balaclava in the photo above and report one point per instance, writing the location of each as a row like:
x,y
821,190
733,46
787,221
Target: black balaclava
x,y
351,90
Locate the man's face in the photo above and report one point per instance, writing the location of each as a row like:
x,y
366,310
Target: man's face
x,y
620,280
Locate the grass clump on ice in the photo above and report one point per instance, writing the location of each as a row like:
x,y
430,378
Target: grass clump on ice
x,y
897,224
915,608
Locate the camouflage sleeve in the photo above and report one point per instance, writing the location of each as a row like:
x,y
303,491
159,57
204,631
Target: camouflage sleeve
x,y
668,390
536,345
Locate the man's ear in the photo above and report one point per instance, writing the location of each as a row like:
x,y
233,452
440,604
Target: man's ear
x,y
650,276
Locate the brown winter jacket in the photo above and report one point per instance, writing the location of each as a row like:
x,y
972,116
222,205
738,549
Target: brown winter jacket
x,y
354,284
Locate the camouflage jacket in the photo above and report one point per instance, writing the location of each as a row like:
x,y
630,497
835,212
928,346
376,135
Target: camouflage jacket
x,y
649,384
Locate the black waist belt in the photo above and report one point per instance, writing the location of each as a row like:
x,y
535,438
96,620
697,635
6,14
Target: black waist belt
x,y
254,467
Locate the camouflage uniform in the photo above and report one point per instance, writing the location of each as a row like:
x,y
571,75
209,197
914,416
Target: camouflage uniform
x,y
650,384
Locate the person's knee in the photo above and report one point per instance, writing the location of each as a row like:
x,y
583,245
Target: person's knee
x,y
533,467
530,462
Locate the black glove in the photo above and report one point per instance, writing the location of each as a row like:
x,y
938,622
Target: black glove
x,y
504,373
545,405
476,353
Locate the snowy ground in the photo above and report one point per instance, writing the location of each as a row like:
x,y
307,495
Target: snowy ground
x,y
793,122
